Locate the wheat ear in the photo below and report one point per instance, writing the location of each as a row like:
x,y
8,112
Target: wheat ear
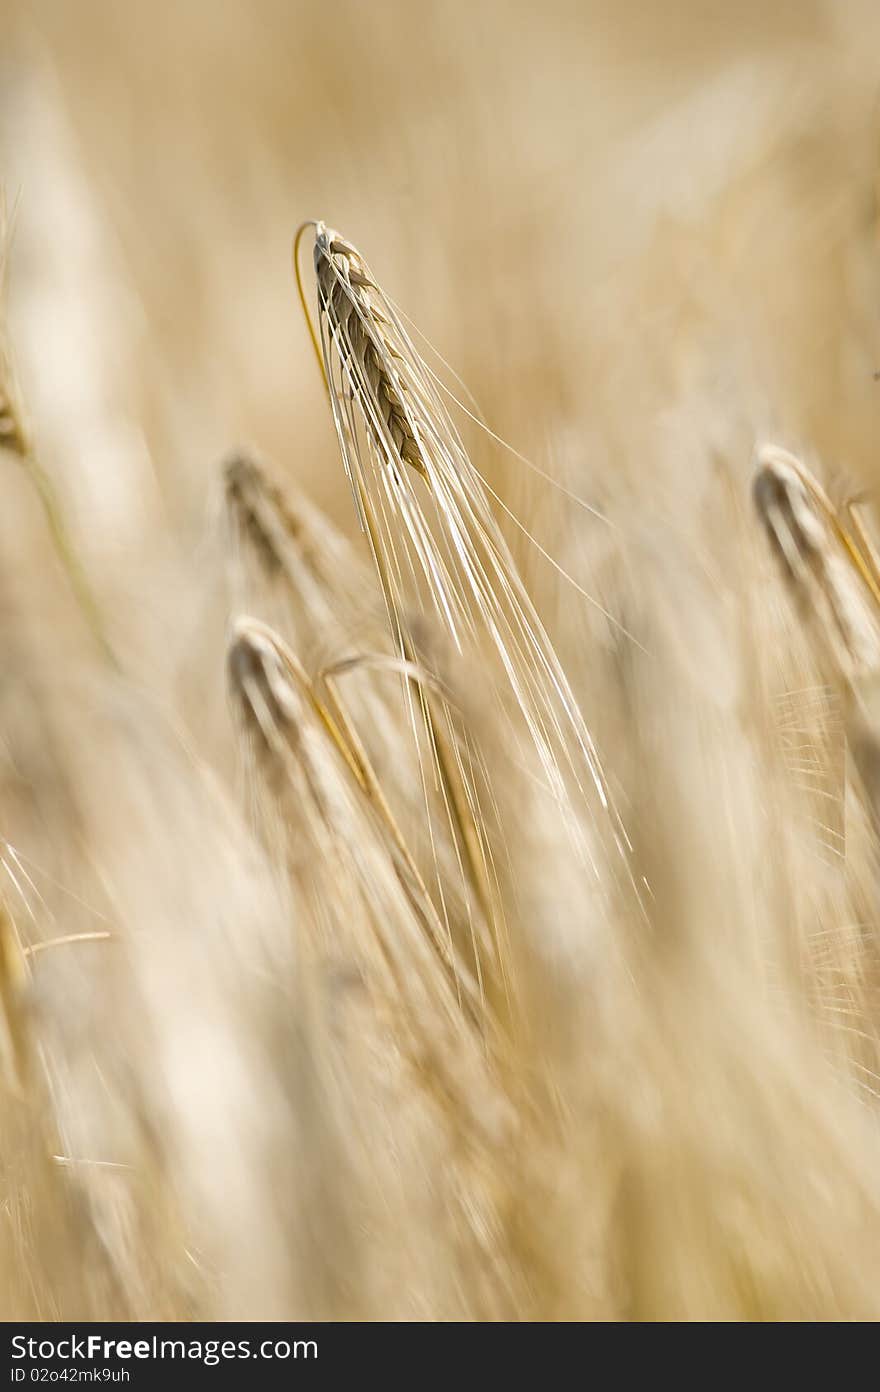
x,y
440,548
310,746
289,562
829,563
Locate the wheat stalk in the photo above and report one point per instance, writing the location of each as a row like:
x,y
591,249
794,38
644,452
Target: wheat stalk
x,y
308,746
829,565
831,568
442,548
345,864
318,594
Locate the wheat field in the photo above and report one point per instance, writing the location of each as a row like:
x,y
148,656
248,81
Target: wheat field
x,y
440,680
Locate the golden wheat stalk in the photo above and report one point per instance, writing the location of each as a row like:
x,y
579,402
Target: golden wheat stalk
x,y
344,859
309,750
289,564
830,564
435,541
828,560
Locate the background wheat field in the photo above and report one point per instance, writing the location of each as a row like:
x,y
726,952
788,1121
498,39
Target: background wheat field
x,y
460,901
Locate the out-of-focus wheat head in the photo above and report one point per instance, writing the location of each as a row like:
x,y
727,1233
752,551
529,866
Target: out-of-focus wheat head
x,y
289,564
12,428
828,561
